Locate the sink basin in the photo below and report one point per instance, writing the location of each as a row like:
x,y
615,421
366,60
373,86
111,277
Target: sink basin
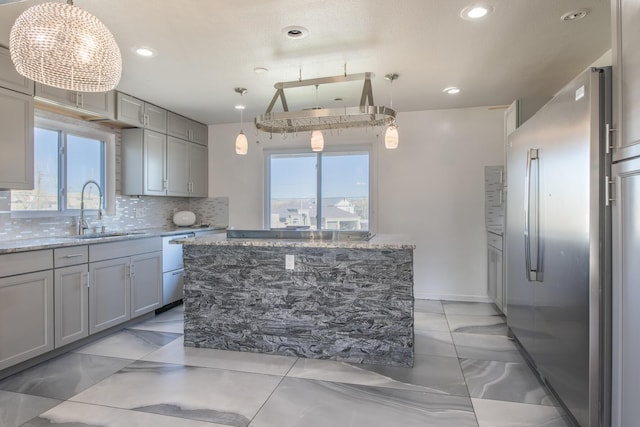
x,y
103,235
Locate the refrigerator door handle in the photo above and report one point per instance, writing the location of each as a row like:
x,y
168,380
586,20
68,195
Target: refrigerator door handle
x,y
532,154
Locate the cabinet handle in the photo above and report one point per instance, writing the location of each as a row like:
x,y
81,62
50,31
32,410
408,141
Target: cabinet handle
x,y
132,270
165,184
73,256
141,116
86,279
608,130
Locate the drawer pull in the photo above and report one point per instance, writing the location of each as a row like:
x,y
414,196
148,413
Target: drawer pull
x,y
73,255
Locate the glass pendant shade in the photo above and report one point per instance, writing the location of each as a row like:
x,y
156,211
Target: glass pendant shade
x,y
391,137
242,146
61,45
317,141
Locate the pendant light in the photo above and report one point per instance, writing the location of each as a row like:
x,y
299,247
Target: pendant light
x,y
61,45
242,145
391,134
317,139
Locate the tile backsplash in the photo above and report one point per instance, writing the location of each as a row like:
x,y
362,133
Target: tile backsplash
x,y
156,211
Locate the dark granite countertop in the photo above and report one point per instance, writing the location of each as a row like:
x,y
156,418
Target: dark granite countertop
x,y
379,241
24,245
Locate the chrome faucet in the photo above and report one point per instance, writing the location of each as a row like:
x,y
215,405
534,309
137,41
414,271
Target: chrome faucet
x,y
82,225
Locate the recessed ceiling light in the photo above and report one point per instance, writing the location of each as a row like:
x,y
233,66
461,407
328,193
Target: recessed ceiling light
x,y
452,90
239,107
144,51
260,70
476,11
575,15
295,32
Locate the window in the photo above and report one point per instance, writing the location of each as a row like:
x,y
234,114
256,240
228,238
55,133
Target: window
x,y
65,157
318,191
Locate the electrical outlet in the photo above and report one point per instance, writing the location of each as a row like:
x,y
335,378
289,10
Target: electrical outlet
x,y
138,212
289,262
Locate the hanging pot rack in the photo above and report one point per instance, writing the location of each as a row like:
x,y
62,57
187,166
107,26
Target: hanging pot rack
x,y
364,115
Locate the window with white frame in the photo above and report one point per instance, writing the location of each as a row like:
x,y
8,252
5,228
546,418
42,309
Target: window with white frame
x,y
65,157
329,190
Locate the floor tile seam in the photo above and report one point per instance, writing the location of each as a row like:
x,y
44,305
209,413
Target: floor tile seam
x,y
546,390
510,402
101,405
187,365
408,390
270,394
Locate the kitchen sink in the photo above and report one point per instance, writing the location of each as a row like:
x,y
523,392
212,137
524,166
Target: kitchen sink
x,y
104,235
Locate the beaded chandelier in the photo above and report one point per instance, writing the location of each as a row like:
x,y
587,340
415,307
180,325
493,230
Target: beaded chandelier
x,y
61,45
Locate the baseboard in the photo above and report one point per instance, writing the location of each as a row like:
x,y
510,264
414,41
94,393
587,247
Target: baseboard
x,y
451,297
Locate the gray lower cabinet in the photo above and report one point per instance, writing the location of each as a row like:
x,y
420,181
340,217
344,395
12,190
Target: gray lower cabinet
x,y
123,287
146,280
71,304
26,316
109,293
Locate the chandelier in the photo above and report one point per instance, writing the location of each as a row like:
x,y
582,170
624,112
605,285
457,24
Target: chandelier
x,y
61,45
318,119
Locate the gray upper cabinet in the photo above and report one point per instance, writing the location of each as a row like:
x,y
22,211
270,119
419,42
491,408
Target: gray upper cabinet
x,y
187,167
177,167
16,140
187,129
10,78
198,170
136,112
100,104
626,78
144,160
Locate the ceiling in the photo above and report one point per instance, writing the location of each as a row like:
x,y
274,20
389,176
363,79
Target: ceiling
x,y
205,48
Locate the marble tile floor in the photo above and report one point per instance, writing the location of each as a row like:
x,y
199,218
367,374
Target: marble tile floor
x,y
467,373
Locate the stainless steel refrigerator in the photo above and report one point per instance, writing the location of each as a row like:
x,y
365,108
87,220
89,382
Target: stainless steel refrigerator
x,y
557,244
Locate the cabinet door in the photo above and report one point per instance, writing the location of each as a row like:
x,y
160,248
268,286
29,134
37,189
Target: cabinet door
x,y
101,103
10,78
155,118
199,133
177,126
71,303
155,161
492,276
146,283
626,294
26,317
16,140
57,95
626,75
109,293
129,110
198,170
177,167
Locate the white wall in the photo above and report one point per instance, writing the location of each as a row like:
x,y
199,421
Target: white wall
x,y
431,187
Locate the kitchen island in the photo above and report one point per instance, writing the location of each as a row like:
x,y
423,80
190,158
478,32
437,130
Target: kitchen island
x,y
340,300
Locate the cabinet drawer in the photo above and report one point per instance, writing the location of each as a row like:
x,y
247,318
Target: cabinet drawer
x,y
25,262
124,248
494,240
73,255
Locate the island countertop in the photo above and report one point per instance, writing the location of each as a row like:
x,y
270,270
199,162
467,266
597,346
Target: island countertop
x,y
378,242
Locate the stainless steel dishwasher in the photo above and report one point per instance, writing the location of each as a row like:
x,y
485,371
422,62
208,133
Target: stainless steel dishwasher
x,y
172,268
